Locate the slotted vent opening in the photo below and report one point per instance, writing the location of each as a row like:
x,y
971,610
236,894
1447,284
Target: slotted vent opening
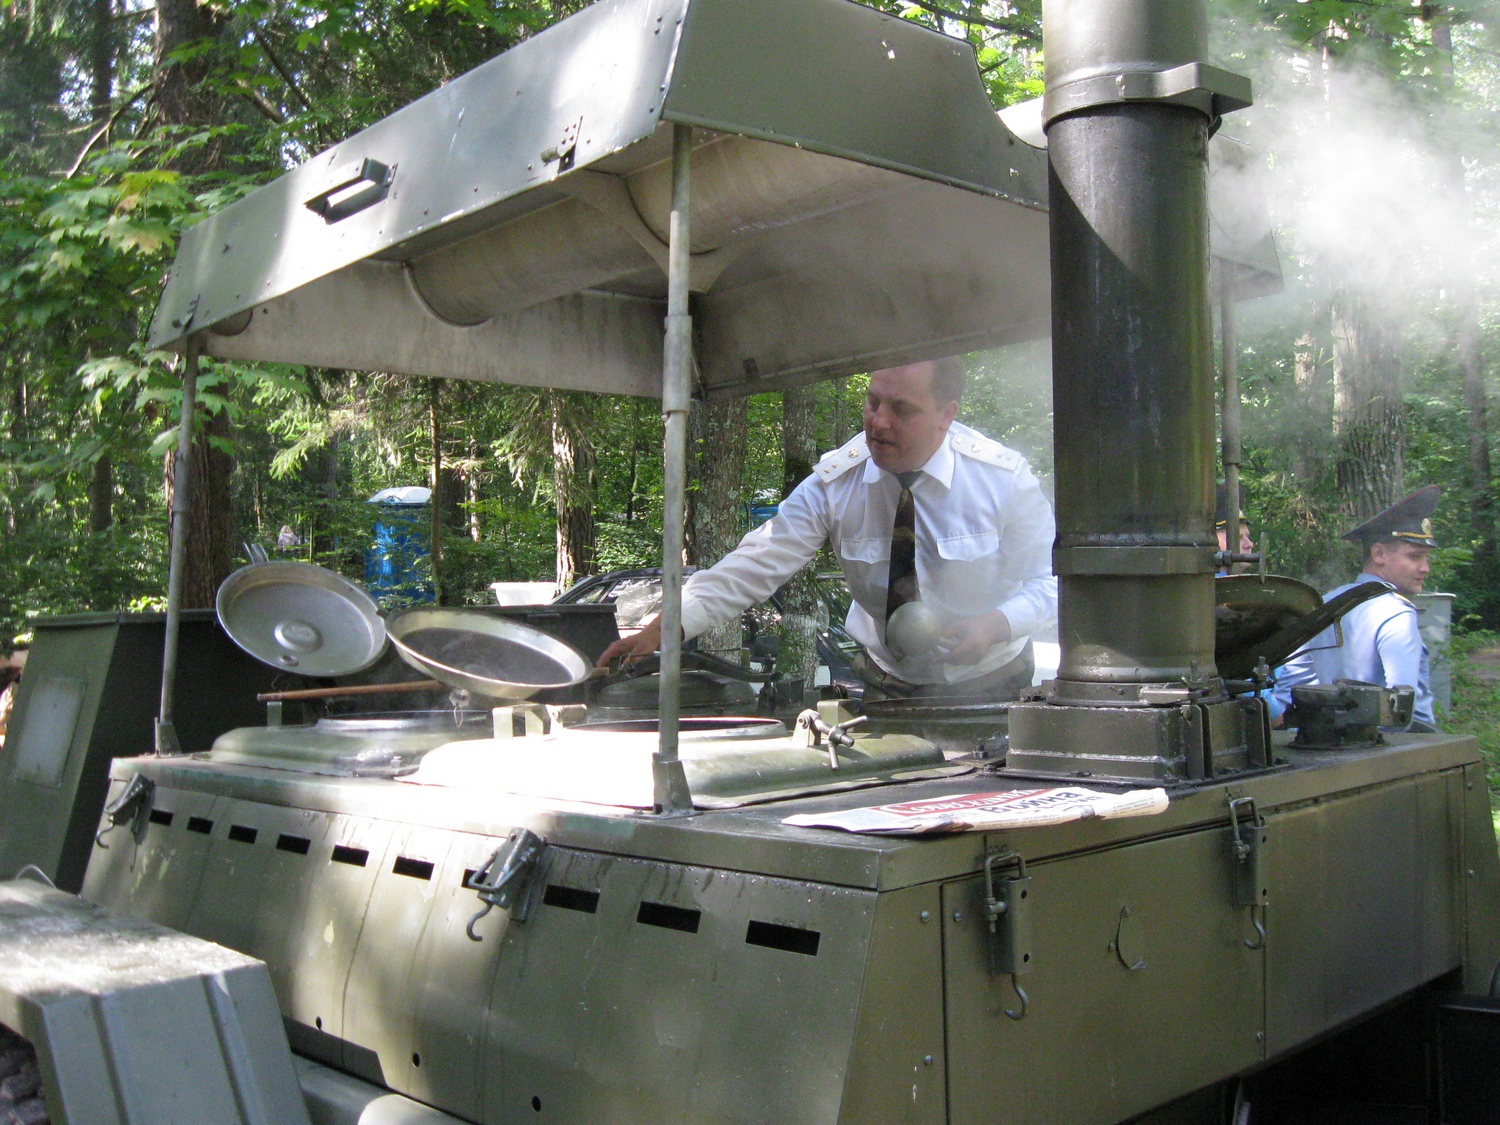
x,y
243,833
669,917
412,868
297,845
162,817
354,857
200,824
571,898
787,938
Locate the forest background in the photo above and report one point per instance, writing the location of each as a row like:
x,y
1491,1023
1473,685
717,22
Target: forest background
x,y
122,122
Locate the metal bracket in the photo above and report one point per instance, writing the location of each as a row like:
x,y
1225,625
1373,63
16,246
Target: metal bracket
x,y
1210,90
1247,834
1007,907
503,879
132,806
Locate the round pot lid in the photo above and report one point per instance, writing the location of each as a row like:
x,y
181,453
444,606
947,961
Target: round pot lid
x,y
301,618
495,657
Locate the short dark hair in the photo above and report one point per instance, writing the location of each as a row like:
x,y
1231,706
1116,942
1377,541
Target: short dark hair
x,y
947,379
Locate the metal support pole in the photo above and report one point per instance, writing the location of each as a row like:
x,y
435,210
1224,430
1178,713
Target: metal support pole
x,y
166,732
1230,417
670,783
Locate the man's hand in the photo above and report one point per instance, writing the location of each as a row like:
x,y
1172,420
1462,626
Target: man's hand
x,y
644,643
971,639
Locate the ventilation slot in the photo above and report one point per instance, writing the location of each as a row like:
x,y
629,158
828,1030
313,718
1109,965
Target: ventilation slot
x,y
668,917
415,868
297,845
354,857
571,898
200,824
162,817
242,833
787,938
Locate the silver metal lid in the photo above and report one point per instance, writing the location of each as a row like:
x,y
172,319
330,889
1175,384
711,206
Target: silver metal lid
x,y
494,657
301,618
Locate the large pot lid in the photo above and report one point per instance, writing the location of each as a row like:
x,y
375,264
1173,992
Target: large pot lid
x,y
1271,618
495,657
301,618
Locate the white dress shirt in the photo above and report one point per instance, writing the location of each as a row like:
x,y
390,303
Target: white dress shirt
x,y
984,542
1382,645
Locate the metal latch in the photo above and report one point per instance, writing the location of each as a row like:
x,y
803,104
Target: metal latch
x,y
132,806
503,879
1007,906
1247,834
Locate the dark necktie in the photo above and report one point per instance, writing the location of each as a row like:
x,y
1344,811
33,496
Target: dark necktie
x,y
902,586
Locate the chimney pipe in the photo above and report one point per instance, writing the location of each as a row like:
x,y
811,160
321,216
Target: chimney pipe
x,y
1129,108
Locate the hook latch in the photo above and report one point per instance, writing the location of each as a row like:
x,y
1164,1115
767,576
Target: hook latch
x,y
505,876
1007,907
1248,834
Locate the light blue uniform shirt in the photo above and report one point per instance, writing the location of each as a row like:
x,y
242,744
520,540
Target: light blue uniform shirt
x,y
1382,645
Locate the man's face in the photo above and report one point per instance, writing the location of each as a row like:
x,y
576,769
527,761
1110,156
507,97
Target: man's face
x,y
1246,545
1403,565
904,425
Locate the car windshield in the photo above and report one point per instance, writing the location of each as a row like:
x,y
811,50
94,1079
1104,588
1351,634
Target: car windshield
x,y
635,599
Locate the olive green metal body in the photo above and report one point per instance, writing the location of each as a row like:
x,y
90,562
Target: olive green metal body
x,y
728,968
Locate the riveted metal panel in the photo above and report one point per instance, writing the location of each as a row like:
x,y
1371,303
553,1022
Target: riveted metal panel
x,y
1481,883
159,877
898,1071
305,913
1102,1041
602,1017
416,979
1363,905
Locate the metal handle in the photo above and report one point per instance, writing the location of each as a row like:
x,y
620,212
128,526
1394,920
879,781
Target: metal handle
x,y
376,175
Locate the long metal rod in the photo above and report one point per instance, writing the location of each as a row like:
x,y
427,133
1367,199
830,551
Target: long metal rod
x,y
182,476
671,793
1230,413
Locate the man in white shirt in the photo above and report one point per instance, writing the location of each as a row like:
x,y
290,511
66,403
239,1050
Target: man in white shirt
x,y
918,508
1382,643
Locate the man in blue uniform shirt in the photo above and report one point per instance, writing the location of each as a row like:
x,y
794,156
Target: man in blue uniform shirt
x,y
1382,644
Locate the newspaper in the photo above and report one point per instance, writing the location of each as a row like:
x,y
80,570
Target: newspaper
x,y
975,812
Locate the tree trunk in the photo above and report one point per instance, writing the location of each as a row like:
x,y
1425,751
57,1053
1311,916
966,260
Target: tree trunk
x,y
797,658
182,98
181,95
435,483
210,524
1368,422
1307,374
471,487
718,432
573,487
101,50
102,495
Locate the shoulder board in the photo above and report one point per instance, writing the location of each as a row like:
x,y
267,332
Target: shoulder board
x,y
990,452
841,460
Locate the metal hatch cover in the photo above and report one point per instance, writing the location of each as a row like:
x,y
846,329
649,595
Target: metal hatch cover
x,y
857,202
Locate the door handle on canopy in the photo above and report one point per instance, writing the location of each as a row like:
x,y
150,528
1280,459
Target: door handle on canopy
x,y
376,176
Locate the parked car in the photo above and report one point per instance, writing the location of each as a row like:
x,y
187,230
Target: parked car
x,y
636,595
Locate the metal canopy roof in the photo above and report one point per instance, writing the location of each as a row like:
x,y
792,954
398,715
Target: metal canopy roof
x,y
856,203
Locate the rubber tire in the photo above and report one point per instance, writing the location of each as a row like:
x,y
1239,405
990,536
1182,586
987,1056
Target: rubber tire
x,y
18,1074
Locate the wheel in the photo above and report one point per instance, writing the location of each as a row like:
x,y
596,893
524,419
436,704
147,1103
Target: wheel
x,y
21,1100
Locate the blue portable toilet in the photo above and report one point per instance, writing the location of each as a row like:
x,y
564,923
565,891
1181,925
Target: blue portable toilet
x,y
394,561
